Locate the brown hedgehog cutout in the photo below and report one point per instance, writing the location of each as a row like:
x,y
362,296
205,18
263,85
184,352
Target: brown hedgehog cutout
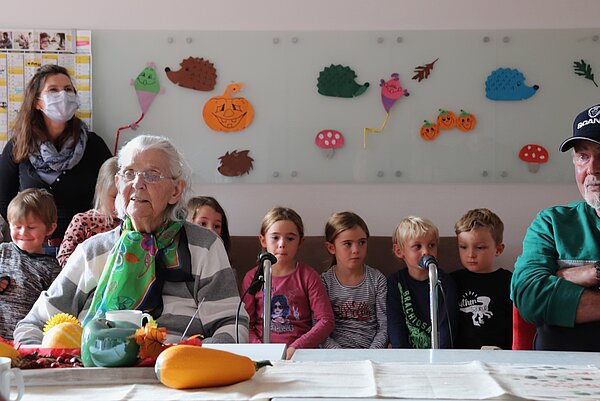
x,y
235,164
195,73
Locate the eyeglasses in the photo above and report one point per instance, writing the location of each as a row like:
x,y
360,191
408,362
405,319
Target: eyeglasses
x,y
149,177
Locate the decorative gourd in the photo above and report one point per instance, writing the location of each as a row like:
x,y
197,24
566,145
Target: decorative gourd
x,y
63,335
466,121
446,119
429,131
7,350
226,113
188,366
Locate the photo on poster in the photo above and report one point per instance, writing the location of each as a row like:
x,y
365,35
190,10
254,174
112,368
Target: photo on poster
x,y
23,40
6,40
53,41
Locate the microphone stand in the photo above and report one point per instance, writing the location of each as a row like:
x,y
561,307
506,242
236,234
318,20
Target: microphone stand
x,y
266,260
433,303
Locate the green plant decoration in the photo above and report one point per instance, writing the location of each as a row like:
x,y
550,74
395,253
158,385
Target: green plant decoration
x,y
584,70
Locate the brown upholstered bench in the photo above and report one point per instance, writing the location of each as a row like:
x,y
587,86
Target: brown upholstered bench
x,y
245,249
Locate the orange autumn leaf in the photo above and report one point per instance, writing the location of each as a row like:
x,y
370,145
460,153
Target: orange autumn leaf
x,y
151,341
131,258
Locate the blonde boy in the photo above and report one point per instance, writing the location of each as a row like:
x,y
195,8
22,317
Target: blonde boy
x,y
409,321
485,317
25,271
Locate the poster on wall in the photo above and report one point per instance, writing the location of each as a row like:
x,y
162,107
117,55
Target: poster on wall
x,y
23,51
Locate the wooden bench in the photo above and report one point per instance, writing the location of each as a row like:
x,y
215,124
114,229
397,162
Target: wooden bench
x,y
245,249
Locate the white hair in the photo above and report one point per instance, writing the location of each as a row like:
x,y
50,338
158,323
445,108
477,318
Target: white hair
x,y
178,170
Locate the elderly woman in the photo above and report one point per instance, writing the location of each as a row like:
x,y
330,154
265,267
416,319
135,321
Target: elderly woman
x,y
155,262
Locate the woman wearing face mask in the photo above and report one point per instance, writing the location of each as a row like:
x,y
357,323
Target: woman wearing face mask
x,y
51,148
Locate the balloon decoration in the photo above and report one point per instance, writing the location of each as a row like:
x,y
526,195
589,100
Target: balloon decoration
x,y
227,113
146,88
391,91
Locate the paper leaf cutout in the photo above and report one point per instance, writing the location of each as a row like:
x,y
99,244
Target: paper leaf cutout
x,y
508,84
584,70
423,71
227,113
195,73
235,163
338,81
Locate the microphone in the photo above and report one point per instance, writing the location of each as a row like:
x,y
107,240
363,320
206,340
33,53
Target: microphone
x,y
259,276
427,261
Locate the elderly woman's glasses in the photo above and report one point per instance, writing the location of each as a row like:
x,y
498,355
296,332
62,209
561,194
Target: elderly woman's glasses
x,y
149,177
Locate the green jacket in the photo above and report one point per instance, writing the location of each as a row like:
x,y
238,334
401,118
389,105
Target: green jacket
x,y
561,236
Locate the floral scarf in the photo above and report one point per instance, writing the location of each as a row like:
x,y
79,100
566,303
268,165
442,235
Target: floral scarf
x,y
128,280
50,163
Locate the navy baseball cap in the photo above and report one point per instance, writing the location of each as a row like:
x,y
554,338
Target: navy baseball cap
x,y
586,126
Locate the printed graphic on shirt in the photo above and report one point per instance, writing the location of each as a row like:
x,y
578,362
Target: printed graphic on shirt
x,y
352,310
479,306
280,311
419,332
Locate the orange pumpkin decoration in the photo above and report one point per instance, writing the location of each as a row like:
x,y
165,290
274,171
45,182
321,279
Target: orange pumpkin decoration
x,y
446,119
226,113
429,131
466,121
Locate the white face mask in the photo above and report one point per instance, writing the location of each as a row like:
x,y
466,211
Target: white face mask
x,y
60,106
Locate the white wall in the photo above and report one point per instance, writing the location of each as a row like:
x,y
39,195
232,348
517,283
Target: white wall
x,y
380,205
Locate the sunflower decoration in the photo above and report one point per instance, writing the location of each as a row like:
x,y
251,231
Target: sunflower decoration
x,y
62,331
60,318
151,340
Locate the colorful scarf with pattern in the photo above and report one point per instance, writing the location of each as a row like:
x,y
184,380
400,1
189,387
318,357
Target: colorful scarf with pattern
x,y
128,280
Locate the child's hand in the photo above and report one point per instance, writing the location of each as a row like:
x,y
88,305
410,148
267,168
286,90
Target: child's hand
x,y
289,352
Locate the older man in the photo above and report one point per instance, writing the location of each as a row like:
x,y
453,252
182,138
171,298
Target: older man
x,y
556,278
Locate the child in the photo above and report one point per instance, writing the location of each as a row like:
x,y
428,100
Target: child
x,y
301,314
357,292
409,320
100,219
207,212
485,316
25,271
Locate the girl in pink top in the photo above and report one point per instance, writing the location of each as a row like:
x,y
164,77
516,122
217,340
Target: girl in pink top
x,y
301,314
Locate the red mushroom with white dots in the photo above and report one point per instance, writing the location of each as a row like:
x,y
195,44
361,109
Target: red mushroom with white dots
x,y
534,155
329,140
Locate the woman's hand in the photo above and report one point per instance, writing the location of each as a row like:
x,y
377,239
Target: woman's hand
x,y
583,275
289,352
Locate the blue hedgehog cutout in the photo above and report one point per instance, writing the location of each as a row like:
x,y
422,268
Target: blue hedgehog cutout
x,y
508,84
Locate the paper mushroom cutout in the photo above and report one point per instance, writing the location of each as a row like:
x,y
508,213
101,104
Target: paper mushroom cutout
x,y
329,140
533,155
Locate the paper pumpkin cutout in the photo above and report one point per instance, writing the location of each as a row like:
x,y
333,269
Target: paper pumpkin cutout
x,y
584,70
195,73
235,163
422,71
329,140
146,87
338,81
446,120
534,155
429,131
508,84
391,91
226,113
465,121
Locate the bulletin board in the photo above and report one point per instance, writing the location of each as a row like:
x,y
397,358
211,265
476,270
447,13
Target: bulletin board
x,y
23,51
280,72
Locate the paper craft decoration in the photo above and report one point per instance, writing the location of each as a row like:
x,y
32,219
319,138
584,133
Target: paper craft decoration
x,y
226,113
339,81
423,71
446,120
195,73
584,70
391,91
146,86
329,140
466,121
429,131
235,163
534,155
508,84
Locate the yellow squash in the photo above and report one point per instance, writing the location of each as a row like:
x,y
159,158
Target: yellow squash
x,y
188,366
6,350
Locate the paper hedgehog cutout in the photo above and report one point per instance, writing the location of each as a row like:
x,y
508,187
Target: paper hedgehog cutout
x,y
338,81
235,163
508,84
195,73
